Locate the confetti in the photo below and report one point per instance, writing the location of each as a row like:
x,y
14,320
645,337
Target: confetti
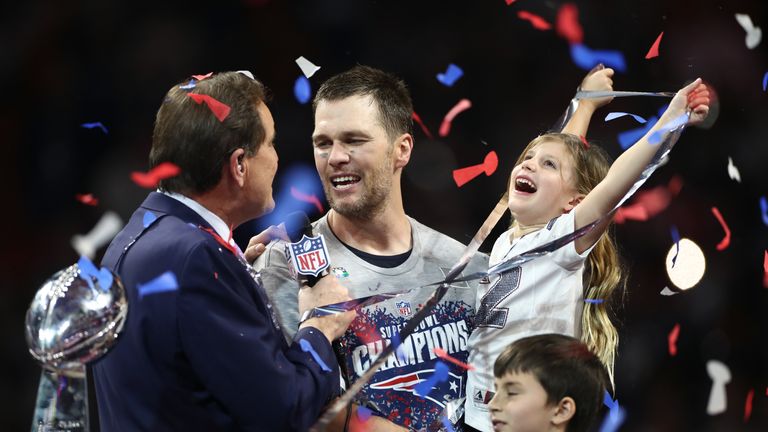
x,y
307,67
417,119
668,292
447,424
151,178
247,73
166,282
202,77
594,301
654,51
627,138
615,416
451,75
148,219
733,172
364,413
727,239
754,34
190,85
538,22
567,24
463,175
89,269
720,376
676,240
765,81
587,58
748,405
615,115
219,109
441,374
584,141
307,347
445,356
667,127
87,199
109,225
445,127
302,90
648,204
95,125
309,198
765,280
509,2
672,340
764,210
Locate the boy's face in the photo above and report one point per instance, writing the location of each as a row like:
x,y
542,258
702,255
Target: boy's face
x,y
520,405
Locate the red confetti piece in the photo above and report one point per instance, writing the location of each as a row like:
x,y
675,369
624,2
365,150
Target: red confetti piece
x,y
765,282
509,2
648,204
445,356
748,405
216,275
672,340
568,24
312,199
202,77
219,109
87,199
151,178
654,51
584,141
727,239
417,119
535,20
227,245
463,175
462,105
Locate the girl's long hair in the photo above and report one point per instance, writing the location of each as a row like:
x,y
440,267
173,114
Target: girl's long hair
x,y
604,276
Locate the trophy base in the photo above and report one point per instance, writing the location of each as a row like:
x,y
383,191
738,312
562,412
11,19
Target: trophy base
x,y
62,404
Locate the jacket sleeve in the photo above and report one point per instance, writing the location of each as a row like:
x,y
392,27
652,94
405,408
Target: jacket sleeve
x,y
227,333
281,286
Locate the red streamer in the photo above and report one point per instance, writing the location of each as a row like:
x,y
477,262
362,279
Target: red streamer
x,y
654,51
463,175
727,239
219,109
445,356
462,105
87,199
151,178
672,340
535,20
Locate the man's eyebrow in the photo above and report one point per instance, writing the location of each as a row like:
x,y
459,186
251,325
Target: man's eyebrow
x,y
344,134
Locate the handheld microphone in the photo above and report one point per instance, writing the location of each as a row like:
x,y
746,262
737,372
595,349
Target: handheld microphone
x,y
308,253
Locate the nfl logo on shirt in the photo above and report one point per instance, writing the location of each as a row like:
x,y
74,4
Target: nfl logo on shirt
x,y
404,308
309,255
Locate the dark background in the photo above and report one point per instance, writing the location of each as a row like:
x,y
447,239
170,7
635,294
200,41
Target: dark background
x,y
68,63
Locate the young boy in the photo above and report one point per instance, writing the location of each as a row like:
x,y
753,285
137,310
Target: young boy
x,y
548,382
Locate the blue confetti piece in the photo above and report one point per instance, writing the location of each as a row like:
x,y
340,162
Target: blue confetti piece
x,y
451,75
447,424
594,301
587,58
765,81
441,374
615,115
627,138
103,275
399,349
363,413
307,347
148,219
615,417
764,209
189,85
302,90
676,239
164,283
673,124
95,125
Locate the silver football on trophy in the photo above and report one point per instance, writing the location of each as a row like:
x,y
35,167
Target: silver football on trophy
x,y
75,317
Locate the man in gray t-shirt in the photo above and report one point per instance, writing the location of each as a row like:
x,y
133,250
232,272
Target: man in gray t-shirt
x,y
362,141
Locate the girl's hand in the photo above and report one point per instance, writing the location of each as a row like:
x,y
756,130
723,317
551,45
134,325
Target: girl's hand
x,y
693,98
598,79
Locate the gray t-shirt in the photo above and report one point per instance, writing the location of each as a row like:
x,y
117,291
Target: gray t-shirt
x,y
392,390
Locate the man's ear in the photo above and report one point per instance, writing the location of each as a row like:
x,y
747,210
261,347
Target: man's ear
x,y
576,199
564,412
236,167
402,151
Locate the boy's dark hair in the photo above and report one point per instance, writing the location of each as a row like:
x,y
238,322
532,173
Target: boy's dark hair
x,y
392,98
564,366
190,136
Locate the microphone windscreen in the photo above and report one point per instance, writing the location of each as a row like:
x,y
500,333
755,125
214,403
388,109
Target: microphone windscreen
x,y
297,224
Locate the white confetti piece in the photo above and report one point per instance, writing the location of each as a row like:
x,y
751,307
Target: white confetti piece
x,y
307,67
101,234
754,34
668,292
720,377
733,172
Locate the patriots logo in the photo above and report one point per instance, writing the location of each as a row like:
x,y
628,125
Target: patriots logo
x,y
309,255
452,388
404,308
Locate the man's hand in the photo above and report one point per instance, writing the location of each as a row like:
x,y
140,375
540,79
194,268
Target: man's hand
x,y
326,291
258,243
598,79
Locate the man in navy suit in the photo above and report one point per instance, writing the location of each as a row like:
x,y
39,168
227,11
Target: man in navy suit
x,y
202,349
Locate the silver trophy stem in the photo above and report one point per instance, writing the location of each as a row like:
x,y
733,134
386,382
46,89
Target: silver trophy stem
x,y
62,404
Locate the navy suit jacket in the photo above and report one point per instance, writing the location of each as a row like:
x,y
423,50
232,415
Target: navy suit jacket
x,y
208,355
